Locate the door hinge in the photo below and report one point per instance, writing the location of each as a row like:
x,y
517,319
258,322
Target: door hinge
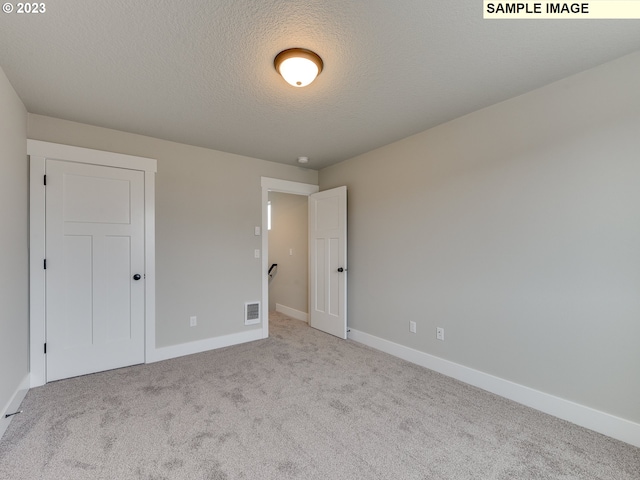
x,y
45,179
45,263
45,348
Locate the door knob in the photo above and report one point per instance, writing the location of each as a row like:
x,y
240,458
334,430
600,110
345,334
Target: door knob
x,y
137,276
341,269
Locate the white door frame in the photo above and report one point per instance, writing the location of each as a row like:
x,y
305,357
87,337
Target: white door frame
x,y
281,186
38,152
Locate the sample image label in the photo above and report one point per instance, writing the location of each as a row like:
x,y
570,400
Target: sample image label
x,y
587,10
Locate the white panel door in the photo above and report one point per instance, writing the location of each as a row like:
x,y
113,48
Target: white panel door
x,y
95,268
328,261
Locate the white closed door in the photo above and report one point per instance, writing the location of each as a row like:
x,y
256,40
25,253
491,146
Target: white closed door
x,y
328,261
94,268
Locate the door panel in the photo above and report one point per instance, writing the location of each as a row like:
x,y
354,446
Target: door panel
x,y
318,274
94,246
334,286
328,254
90,199
77,291
117,295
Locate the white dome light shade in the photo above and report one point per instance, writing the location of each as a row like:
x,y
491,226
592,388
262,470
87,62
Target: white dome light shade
x,y
299,67
298,71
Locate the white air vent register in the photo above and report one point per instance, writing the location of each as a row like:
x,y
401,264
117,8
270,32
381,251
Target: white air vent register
x,y
251,313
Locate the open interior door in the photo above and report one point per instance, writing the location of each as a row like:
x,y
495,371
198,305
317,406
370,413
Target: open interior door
x,y
328,261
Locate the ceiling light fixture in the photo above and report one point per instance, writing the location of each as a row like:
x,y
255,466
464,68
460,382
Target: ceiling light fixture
x,y
298,66
303,159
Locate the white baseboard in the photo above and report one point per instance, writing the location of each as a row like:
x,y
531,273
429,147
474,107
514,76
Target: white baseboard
x,y
13,404
292,312
199,346
612,426
174,351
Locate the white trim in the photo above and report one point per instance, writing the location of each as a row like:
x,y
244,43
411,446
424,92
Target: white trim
x,y
37,284
292,312
282,186
149,264
13,404
286,186
70,153
612,426
38,153
199,346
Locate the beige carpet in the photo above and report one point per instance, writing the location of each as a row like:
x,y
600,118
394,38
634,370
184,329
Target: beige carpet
x,y
301,404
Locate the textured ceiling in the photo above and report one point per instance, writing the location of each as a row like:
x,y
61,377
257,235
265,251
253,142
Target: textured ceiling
x,y
201,72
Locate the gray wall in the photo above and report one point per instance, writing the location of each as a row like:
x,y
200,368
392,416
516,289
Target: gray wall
x,y
517,229
14,265
289,230
207,205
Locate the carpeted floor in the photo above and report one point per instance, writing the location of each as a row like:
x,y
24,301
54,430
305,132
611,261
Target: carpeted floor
x,y
301,404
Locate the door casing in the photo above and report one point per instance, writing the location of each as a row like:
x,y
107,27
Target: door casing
x,y
38,152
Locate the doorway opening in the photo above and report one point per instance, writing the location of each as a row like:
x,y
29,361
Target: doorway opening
x,y
288,255
272,186
327,254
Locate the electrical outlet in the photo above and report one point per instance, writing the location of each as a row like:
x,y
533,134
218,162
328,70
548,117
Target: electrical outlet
x,y
440,333
193,321
256,253
412,327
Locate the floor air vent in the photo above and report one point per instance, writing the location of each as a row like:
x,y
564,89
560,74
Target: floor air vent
x,y
251,313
